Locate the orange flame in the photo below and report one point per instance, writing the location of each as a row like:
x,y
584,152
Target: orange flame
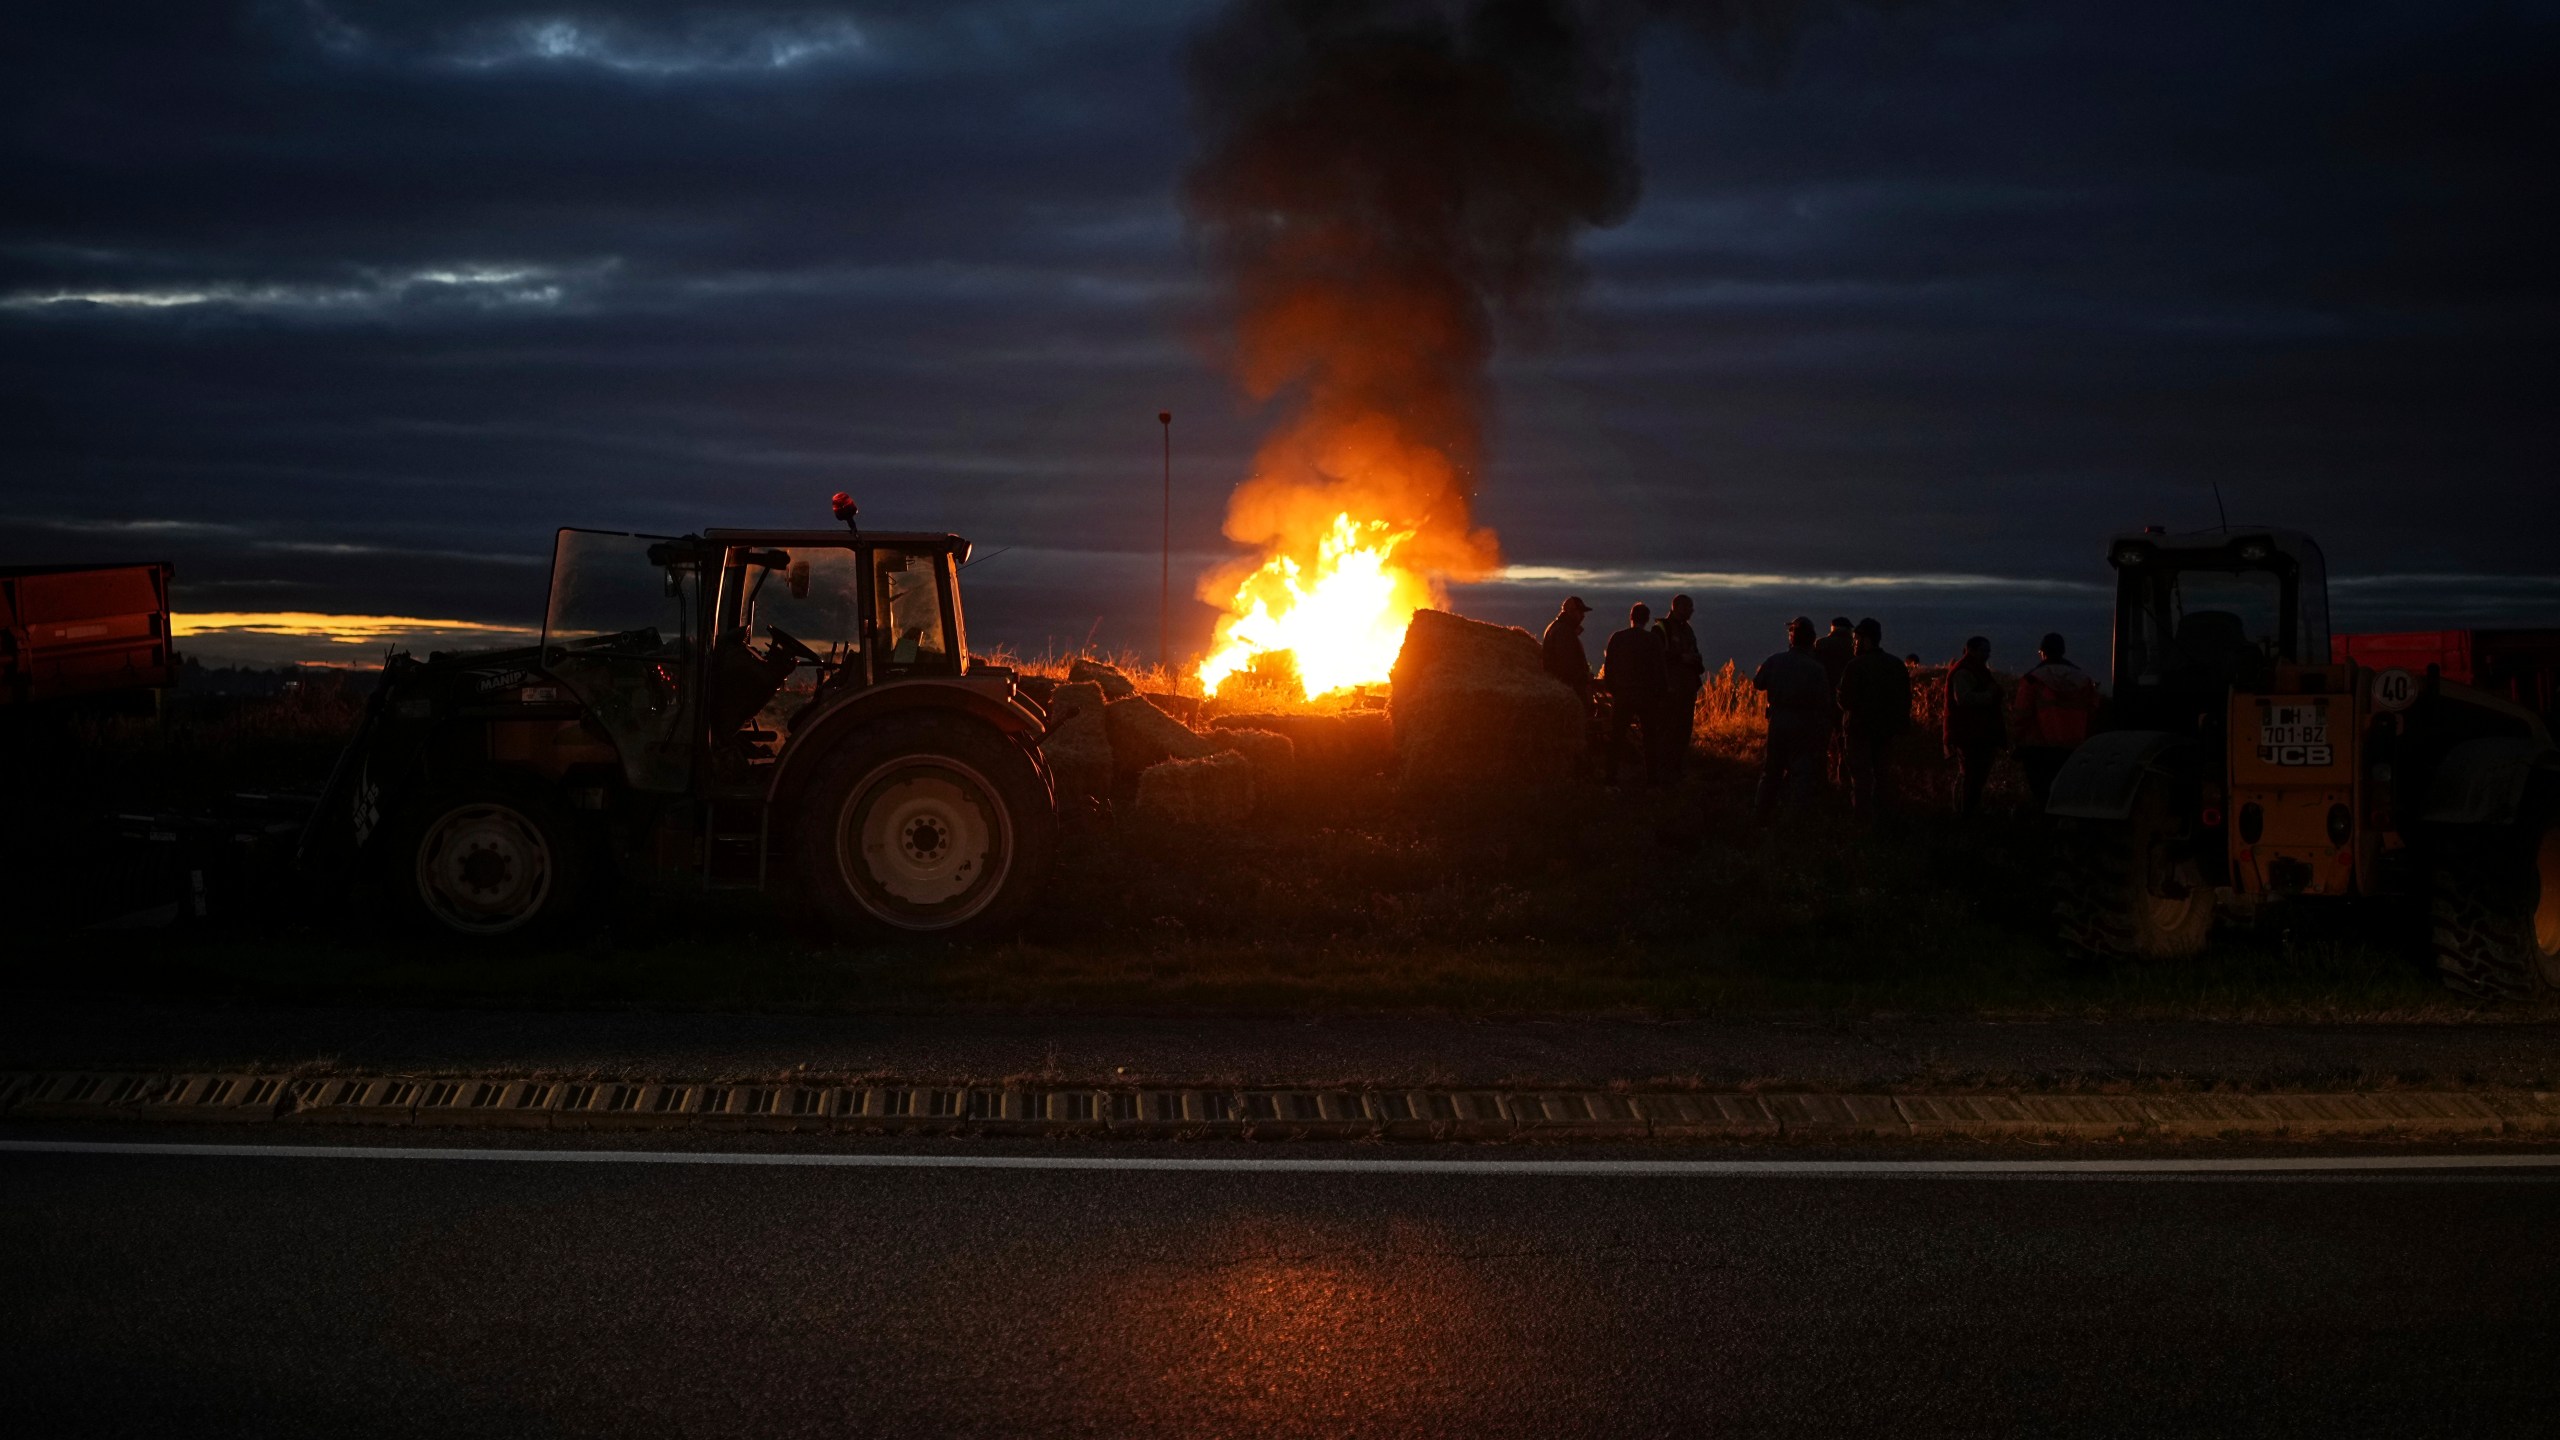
x,y
1339,617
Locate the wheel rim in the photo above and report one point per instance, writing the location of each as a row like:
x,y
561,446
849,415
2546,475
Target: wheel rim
x,y
2171,917
2546,908
484,869
923,844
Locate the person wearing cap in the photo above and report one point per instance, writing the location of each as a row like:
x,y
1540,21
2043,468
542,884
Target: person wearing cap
x,y
2055,704
1875,708
1562,647
1688,675
1976,721
1799,726
1633,669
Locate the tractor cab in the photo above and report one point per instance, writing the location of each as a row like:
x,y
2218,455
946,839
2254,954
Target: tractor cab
x,y
2200,615
701,656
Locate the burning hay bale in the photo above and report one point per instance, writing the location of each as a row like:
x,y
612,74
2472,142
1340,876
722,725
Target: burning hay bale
x,y
1115,683
1471,703
1214,789
1142,735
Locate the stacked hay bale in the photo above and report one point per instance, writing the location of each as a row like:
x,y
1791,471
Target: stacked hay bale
x,y
1142,735
1325,748
1273,759
1115,683
1472,705
1214,789
1078,745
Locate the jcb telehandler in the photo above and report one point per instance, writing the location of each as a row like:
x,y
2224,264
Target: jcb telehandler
x,y
791,710
2241,765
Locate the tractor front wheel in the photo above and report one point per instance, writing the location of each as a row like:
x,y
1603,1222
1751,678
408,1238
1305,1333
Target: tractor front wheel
x,y
2130,888
930,825
491,862
2495,913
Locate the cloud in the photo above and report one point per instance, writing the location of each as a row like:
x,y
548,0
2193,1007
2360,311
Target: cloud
x,y
485,286
373,296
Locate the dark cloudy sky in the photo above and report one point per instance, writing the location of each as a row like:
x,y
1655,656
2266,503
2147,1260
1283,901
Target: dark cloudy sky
x,y
345,306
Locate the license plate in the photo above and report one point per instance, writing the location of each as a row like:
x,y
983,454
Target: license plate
x,y
2293,732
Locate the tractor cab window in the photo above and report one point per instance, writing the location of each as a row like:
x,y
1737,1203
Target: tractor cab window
x,y
790,627
915,624
617,634
2206,627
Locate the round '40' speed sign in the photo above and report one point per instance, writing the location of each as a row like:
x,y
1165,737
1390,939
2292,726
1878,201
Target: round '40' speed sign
x,y
2394,690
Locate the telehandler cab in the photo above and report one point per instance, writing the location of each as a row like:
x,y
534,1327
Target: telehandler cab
x,y
2242,765
793,710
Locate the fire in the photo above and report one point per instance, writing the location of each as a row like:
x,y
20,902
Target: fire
x,y
1339,616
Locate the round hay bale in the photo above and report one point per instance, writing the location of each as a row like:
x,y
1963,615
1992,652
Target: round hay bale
x,y
1142,735
1215,789
1472,704
1115,683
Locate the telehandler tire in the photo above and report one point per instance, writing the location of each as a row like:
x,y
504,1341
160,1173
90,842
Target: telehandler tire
x,y
2495,911
2123,893
490,860
923,825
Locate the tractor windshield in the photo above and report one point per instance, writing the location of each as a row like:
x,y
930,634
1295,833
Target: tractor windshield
x,y
617,634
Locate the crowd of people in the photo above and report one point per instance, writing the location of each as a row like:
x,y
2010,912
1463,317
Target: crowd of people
x,y
1837,706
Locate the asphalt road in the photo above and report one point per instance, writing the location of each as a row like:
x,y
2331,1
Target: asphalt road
x,y
159,1295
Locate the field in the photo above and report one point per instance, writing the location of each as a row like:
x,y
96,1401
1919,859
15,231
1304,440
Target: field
x,y
1661,902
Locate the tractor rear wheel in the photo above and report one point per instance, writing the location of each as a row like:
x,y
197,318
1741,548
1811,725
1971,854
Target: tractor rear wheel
x,y
925,825
491,861
2496,911
2128,889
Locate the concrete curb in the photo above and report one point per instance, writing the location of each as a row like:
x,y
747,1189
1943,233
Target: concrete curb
x,y
529,1102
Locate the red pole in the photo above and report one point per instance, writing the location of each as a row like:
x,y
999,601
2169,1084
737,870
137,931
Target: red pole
x,y
1164,581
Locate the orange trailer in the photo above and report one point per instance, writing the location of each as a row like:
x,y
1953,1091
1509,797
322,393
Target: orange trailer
x,y
70,630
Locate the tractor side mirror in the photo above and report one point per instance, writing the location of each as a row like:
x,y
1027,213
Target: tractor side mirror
x,y
798,575
675,585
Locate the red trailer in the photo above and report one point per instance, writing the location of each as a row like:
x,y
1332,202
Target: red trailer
x,y
84,630
2521,665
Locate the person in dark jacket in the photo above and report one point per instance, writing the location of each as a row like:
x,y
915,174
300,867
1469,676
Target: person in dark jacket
x,y
1875,708
1799,721
1633,668
1834,650
1562,646
1687,671
1976,722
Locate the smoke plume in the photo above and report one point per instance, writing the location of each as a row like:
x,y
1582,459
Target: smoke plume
x,y
1379,183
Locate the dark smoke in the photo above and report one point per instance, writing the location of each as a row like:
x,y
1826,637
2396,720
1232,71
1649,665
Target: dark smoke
x,y
1380,185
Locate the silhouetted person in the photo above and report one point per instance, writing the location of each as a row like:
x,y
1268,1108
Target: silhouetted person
x,y
1687,672
1875,708
1633,668
1799,721
1562,647
1976,722
1834,650
2050,715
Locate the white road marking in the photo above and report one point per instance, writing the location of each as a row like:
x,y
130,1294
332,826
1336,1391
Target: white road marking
x,y
2255,1166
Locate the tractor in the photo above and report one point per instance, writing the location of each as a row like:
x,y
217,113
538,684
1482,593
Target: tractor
x,y
783,710
2241,764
